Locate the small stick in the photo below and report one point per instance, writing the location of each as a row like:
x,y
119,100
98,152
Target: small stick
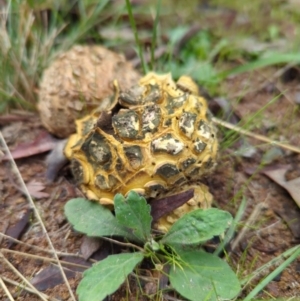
x,y
8,294
28,289
43,258
125,244
255,136
251,220
38,248
22,277
37,214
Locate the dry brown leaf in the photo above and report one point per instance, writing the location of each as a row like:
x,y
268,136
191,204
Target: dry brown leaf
x,y
167,204
19,228
35,189
89,246
277,174
289,212
50,277
43,143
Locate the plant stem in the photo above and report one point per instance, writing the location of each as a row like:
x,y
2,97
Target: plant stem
x,y
125,244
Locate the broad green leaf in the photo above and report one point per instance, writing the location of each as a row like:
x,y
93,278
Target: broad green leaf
x,y
134,213
197,227
94,219
105,277
203,276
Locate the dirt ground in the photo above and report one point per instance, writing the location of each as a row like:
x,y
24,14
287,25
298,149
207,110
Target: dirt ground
x,y
273,214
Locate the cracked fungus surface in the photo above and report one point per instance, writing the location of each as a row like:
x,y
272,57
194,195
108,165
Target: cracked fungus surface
x,y
159,141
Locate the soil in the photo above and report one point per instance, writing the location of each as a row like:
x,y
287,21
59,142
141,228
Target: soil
x,y
274,215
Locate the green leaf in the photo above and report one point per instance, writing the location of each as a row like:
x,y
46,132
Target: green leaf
x,y
105,277
134,213
197,227
94,219
203,276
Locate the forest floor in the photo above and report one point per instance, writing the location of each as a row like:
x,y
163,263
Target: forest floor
x,y
266,176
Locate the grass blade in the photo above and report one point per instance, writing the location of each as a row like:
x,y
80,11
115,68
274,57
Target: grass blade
x,y
84,26
273,59
231,230
136,37
154,33
272,275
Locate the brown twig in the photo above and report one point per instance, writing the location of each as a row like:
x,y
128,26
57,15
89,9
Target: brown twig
x,y
46,259
21,276
125,244
249,223
38,248
8,294
28,289
255,136
37,214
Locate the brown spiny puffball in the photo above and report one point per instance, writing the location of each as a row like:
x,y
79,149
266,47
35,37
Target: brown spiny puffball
x,y
77,82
